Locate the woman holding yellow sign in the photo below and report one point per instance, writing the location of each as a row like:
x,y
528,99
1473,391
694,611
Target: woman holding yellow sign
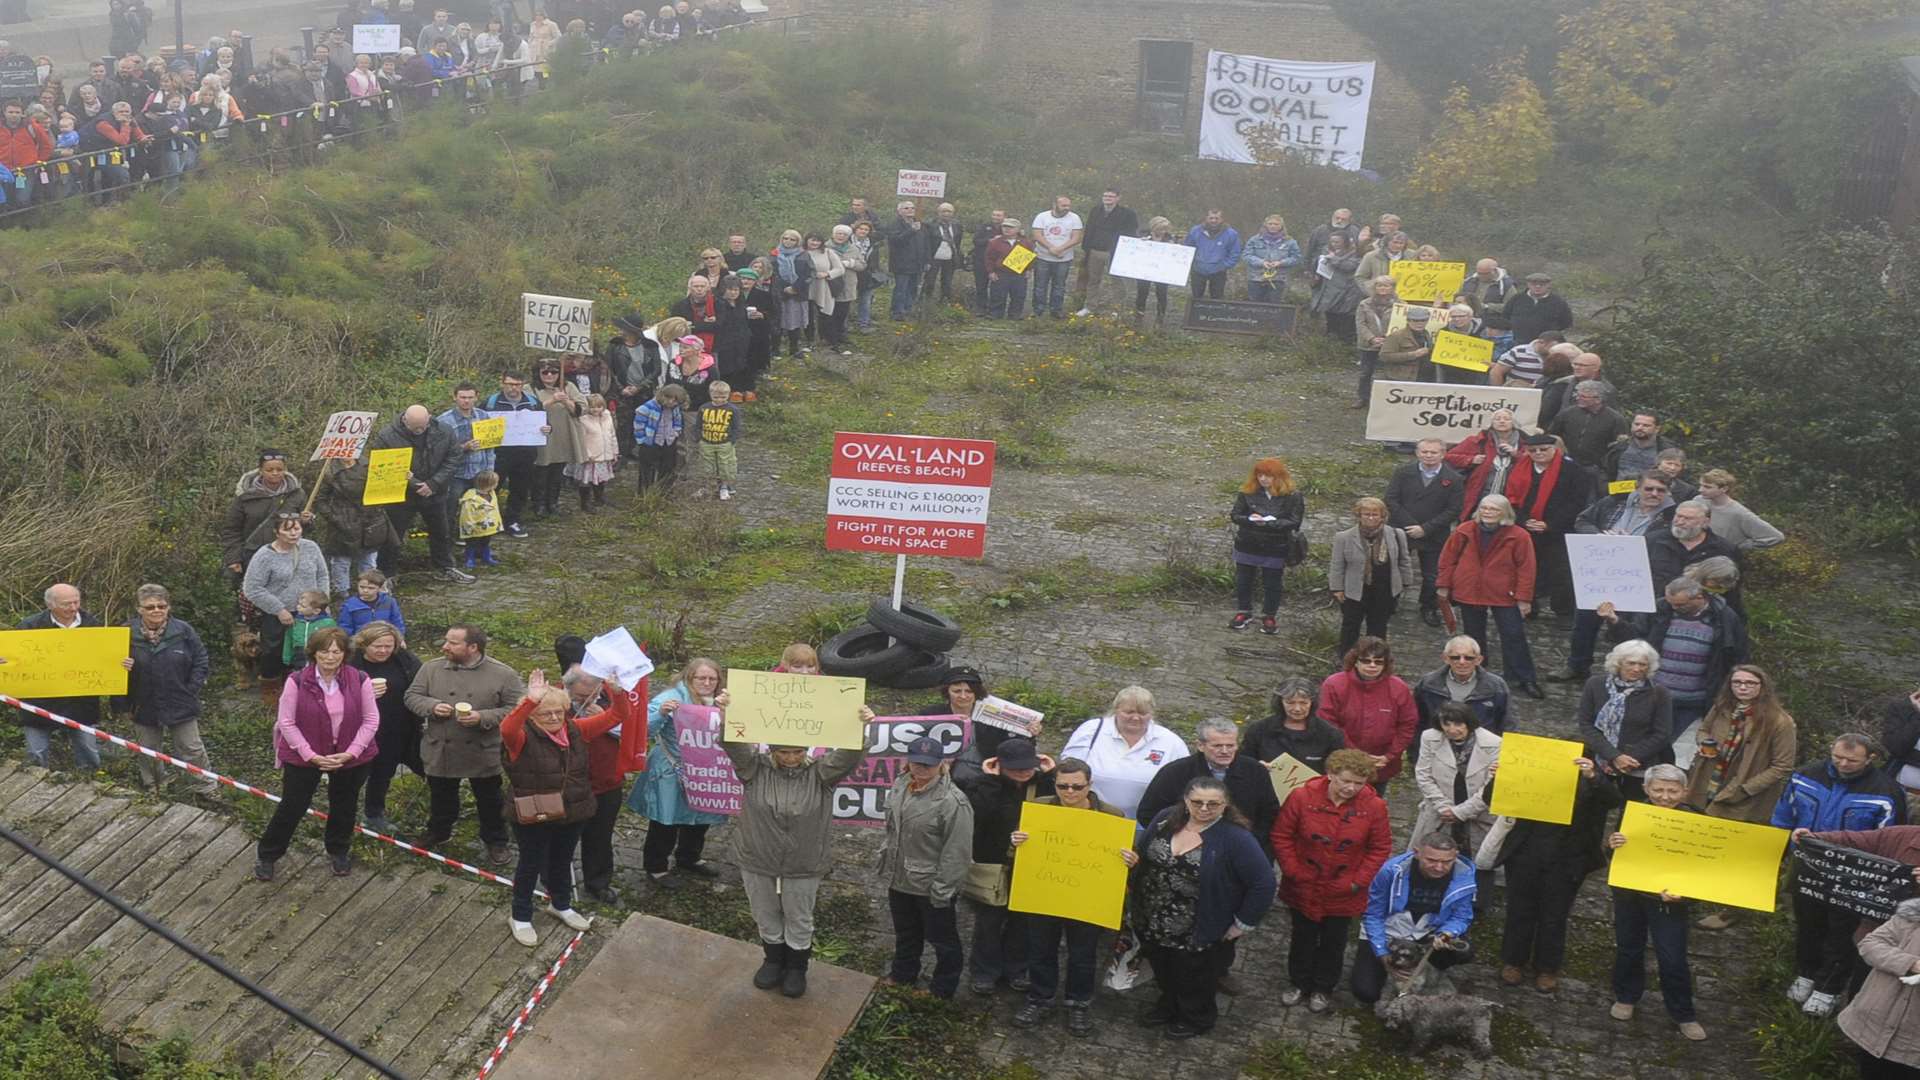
x,y
1639,915
1545,866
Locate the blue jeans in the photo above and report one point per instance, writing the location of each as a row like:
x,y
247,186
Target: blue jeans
x,y
1007,297
906,293
1043,958
1050,286
1516,658
864,310
1267,292
40,740
1636,916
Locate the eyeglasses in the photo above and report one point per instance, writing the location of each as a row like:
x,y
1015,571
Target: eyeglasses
x,y
1743,682
155,607
1057,786
1370,660
1456,656
1206,804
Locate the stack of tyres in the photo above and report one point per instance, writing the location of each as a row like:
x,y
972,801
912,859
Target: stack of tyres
x,y
905,649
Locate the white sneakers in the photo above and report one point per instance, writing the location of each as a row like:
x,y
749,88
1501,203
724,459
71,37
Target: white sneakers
x,y
1621,1011
725,493
523,932
1818,1005
573,919
1801,989
1083,313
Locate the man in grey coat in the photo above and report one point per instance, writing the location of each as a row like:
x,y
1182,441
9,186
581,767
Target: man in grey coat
x,y
463,694
928,851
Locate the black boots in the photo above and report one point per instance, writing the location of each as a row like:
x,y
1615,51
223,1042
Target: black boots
x,y
768,976
586,500
795,982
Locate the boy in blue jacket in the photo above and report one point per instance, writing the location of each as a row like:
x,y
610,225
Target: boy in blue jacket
x,y
1426,891
371,603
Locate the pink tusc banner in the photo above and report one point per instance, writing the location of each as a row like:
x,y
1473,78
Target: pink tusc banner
x,y
706,773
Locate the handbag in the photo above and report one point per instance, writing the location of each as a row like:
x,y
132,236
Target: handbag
x,y
539,809
988,883
1297,547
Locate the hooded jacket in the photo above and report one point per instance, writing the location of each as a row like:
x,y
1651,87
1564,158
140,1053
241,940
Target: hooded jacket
x,y
1388,897
250,515
783,826
1501,576
929,840
1883,1019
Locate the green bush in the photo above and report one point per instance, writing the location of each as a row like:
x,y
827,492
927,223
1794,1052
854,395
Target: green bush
x,y
51,1029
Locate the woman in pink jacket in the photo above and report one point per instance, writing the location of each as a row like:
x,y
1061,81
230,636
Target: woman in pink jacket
x,y
1372,707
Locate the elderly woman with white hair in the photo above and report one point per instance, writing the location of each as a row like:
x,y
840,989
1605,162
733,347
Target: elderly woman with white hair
x,y
1625,718
1487,568
1460,319
1125,748
846,287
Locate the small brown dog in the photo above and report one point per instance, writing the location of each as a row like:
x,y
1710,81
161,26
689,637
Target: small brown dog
x,y
246,657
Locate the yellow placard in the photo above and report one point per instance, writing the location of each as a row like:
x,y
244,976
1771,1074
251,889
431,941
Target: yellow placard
x,y
82,662
1288,773
387,473
1427,281
1621,487
1017,259
1697,857
1462,351
795,710
488,434
1070,866
1538,778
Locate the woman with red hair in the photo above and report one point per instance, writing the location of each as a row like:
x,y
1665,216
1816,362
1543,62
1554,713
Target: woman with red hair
x,y
1267,515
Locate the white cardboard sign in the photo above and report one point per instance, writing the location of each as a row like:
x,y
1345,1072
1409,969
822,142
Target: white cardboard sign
x,y
1151,260
920,184
376,38
1610,569
1411,411
559,324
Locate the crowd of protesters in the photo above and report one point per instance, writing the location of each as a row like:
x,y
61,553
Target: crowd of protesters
x,y
136,119
1676,715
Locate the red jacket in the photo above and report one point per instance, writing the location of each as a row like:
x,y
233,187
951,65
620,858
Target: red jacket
x,y
28,144
1461,457
1502,576
1329,854
1378,717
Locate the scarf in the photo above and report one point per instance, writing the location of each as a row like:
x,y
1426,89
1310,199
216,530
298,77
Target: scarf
x,y
784,256
1520,485
1736,734
1614,713
1376,542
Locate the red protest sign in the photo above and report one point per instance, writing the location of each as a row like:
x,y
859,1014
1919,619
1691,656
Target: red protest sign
x,y
909,495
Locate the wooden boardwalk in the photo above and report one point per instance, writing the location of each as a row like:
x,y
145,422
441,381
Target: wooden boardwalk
x,y
414,965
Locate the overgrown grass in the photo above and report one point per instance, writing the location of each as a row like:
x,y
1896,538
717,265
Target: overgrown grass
x,y
51,1029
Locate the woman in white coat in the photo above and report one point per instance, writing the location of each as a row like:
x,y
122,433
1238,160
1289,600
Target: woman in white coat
x,y
1457,759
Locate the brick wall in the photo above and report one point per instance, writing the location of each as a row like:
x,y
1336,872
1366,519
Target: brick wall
x,y
1095,74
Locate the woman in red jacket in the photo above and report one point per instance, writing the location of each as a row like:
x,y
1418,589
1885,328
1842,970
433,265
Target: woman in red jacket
x,y
1486,457
1489,567
1331,838
587,696
1372,707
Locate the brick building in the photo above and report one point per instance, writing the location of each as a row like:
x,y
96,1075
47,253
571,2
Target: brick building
x,y
1139,64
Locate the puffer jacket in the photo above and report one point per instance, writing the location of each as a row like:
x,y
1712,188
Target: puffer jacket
x,y
929,840
1818,798
249,519
783,827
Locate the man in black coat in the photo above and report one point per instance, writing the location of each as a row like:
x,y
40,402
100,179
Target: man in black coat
x,y
1558,489
435,459
909,249
1688,539
977,258
1105,226
1216,745
1537,310
1424,497
62,613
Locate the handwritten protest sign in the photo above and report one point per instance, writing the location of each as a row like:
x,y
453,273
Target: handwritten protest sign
x,y
1070,866
1017,259
559,324
1288,774
1427,282
489,433
1465,351
1621,487
1698,857
523,426
1538,778
1409,411
1851,879
1152,260
344,436
1312,112
387,472
1005,715
921,184
861,799
376,38
82,662
795,710
706,772
1610,569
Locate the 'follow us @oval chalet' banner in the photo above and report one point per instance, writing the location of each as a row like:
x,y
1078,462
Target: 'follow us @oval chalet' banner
x,y
909,495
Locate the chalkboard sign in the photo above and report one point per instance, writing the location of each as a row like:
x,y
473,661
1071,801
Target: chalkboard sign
x,y
18,77
1850,879
1240,317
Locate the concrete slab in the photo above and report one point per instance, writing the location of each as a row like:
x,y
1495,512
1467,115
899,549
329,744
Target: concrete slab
x,y
662,999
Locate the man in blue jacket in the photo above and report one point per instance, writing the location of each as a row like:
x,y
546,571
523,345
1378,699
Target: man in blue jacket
x,y
1216,249
1426,891
1844,791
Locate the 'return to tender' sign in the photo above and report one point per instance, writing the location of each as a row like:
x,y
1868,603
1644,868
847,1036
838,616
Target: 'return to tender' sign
x,y
909,495
559,324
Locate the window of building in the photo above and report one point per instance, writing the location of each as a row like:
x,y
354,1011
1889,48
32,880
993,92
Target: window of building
x,y
1166,81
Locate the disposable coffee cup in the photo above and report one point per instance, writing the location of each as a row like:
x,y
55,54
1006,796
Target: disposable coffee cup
x,y
379,685
462,710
